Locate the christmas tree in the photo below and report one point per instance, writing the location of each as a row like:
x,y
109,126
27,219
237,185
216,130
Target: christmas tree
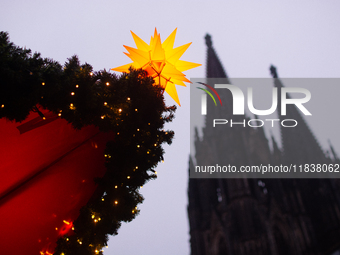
x,y
130,108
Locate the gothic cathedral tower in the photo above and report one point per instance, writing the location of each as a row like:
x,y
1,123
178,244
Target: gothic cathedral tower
x,y
268,216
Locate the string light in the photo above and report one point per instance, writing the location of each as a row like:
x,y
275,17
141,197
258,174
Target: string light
x,y
96,251
105,103
2,106
128,177
72,93
91,73
72,106
138,146
107,84
66,222
77,86
116,202
102,117
120,110
137,129
116,187
136,110
43,83
103,199
128,99
59,114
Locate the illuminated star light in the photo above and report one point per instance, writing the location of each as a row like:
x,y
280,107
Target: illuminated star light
x,y
160,61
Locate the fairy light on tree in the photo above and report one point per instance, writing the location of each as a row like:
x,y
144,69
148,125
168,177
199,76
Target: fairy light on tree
x,y
130,106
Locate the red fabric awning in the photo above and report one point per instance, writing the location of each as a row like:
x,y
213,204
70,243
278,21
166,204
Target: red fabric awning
x,y
47,170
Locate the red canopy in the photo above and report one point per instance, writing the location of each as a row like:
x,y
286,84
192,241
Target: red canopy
x,y
47,170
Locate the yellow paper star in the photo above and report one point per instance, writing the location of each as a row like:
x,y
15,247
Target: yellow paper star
x,y
160,61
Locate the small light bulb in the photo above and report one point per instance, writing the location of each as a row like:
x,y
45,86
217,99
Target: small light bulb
x,y
103,199
72,93
137,129
136,109
44,118
128,99
116,202
91,73
155,172
116,187
43,83
77,86
102,117
128,177
120,110
59,114
105,103
2,106
136,167
92,216
95,220
138,146
107,84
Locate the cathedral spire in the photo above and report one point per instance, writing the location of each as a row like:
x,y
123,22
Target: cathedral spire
x,y
214,66
299,144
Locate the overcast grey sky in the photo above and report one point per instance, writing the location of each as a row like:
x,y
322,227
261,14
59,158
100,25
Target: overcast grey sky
x,y
300,37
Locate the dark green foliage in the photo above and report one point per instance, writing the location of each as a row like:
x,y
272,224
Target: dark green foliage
x,y
129,108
